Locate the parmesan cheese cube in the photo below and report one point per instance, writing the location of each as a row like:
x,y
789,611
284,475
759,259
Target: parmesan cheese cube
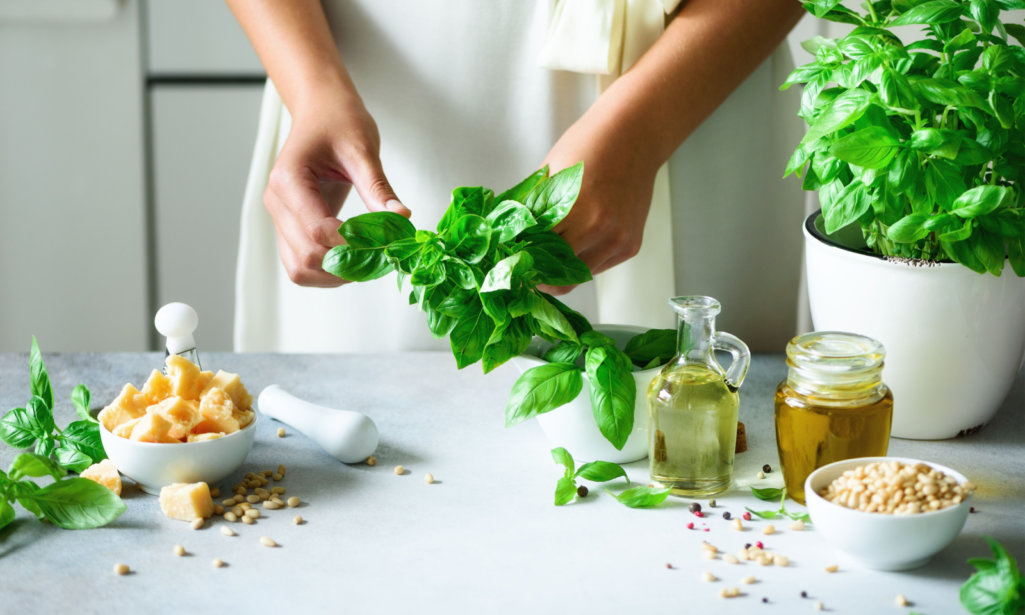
x,y
124,430
157,387
152,428
184,377
182,415
104,473
232,385
201,437
129,404
186,501
216,410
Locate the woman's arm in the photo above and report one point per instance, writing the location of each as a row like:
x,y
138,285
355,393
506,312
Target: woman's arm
x,y
708,49
333,144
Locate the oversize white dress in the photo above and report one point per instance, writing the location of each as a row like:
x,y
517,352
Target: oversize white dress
x,y
460,98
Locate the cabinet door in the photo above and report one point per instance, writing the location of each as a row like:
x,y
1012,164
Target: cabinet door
x,y
202,143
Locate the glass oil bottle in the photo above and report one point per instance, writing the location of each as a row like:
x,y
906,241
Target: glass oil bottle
x,y
832,406
693,404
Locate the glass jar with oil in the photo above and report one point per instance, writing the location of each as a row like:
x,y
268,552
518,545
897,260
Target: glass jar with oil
x,y
693,404
832,406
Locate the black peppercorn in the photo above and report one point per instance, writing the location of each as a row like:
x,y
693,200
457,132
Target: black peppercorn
x,y
804,594
747,545
765,600
582,491
726,515
766,468
695,507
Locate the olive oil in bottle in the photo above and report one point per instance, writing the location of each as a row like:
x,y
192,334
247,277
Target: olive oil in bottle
x,y
693,404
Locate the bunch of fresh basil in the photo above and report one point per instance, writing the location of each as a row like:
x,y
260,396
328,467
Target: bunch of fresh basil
x,y
922,145
71,503
476,277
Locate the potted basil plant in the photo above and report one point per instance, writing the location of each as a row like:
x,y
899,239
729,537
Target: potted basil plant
x,y
476,277
917,152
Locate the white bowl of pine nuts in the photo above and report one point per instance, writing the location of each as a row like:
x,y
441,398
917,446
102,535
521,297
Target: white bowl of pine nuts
x,y
888,513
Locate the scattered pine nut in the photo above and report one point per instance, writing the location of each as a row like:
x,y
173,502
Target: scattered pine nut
x,y
729,592
217,563
253,513
247,520
298,520
798,525
769,529
748,580
293,501
121,569
215,492
230,516
429,478
179,550
277,490
278,476
371,461
832,568
729,558
243,507
252,499
399,470
765,559
708,577
228,502
227,531
281,470
271,505
819,606
781,561
737,525
267,541
709,554
197,523
281,432
760,474
900,600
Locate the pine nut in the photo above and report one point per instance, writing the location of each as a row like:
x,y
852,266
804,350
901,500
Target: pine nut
x,y
747,580
277,490
819,606
197,523
247,520
227,531
708,577
267,541
298,520
281,432
399,470
230,516
832,568
781,561
271,505
217,563
253,513
769,529
900,600
737,525
277,477
371,461
179,550
429,478
121,569
798,525
760,475
215,492
293,502
253,499
729,558
218,509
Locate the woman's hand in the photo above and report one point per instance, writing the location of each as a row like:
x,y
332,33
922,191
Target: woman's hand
x,y
333,146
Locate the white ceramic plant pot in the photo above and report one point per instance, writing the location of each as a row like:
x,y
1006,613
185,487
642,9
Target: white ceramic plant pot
x,y
954,339
572,425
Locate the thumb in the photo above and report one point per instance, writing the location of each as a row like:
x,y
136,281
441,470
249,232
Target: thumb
x,y
376,192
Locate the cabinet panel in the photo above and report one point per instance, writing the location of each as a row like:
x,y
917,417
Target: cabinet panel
x,y
197,37
202,144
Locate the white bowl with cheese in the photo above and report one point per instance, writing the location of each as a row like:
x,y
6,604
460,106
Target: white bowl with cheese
x,y
153,465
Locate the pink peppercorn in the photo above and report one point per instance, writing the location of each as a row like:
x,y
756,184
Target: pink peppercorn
x,y
747,516
760,545
699,514
690,525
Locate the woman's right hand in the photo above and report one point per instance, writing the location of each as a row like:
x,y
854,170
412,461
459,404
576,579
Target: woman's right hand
x,y
333,145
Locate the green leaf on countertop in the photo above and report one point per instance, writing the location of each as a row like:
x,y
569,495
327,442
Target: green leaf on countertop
x,y
77,503
997,586
562,456
565,491
601,471
641,497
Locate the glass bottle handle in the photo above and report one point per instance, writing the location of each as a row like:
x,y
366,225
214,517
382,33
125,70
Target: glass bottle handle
x,y
740,354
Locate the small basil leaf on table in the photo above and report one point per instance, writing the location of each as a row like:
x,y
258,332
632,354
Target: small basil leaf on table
x,y
601,471
641,497
77,503
561,456
565,490
767,494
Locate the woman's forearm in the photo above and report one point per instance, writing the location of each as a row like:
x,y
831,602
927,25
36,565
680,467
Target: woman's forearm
x,y
295,45
708,49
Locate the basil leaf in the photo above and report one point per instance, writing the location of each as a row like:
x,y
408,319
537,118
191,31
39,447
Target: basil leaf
x,y
461,273
844,206
981,200
6,513
363,256
768,493
466,200
80,398
653,345
500,277
565,491
355,263
439,323
576,320
72,458
77,503
595,338
601,471
40,379
930,12
550,200
84,436
946,92
520,191
763,514
908,229
469,237
842,112
22,492
641,497
427,275
470,335
45,447
510,219
555,261
943,183
562,457
549,315
542,389
997,585
31,464
18,428
872,147
563,352
514,341
613,390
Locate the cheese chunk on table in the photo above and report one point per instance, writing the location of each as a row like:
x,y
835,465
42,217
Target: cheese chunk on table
x,y
186,501
104,473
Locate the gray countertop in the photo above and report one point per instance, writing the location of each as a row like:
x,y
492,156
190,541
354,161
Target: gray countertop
x,y
485,536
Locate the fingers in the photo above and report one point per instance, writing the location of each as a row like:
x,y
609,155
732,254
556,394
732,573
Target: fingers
x,y
370,182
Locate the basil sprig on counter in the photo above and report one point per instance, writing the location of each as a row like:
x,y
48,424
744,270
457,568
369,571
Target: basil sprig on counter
x,y
75,447
477,276
997,587
770,494
595,471
70,503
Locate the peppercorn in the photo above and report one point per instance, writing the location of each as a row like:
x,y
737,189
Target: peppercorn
x,y
726,515
747,516
766,468
711,503
699,514
747,546
695,507
765,600
669,566
582,491
804,594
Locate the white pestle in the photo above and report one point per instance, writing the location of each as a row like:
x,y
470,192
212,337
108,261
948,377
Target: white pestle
x,y
346,435
177,322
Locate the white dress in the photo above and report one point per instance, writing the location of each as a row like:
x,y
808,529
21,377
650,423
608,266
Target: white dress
x,y
460,99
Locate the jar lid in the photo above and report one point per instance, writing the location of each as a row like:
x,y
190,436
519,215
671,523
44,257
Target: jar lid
x,y
843,362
